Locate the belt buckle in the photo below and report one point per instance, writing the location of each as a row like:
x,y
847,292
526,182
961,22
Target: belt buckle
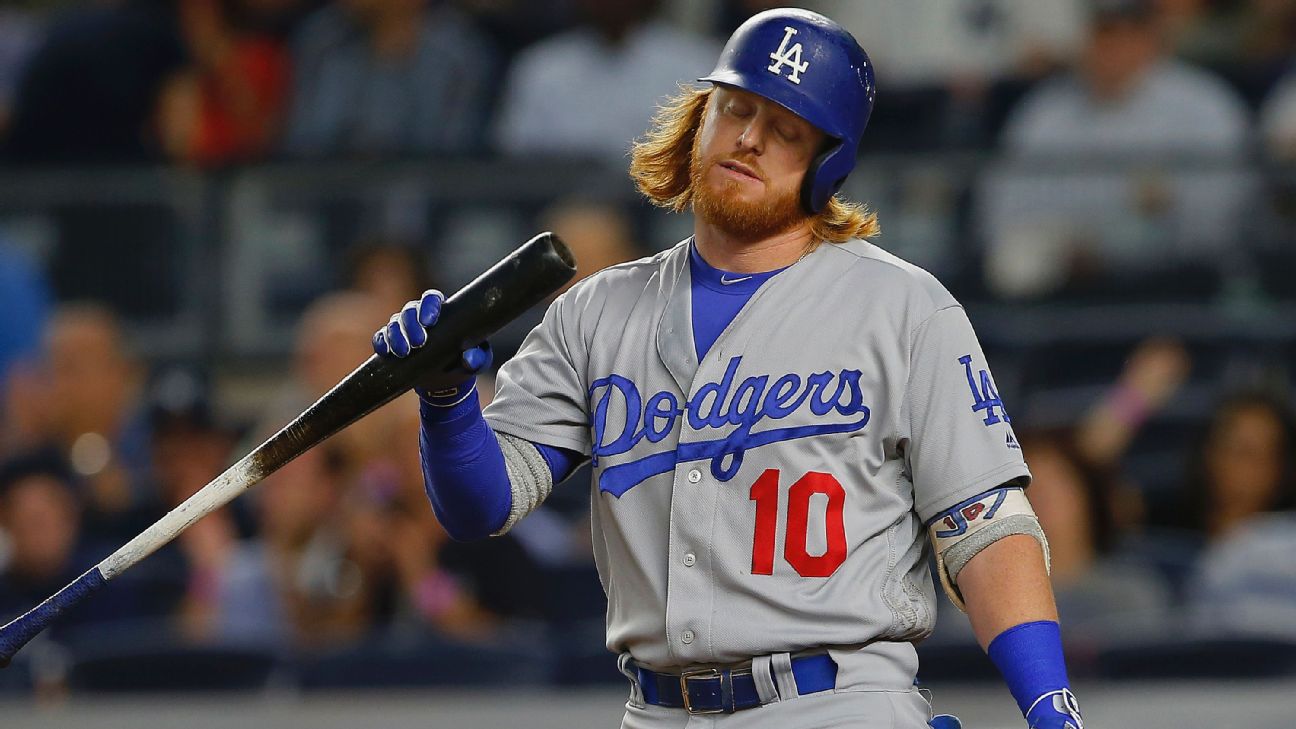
x,y
684,692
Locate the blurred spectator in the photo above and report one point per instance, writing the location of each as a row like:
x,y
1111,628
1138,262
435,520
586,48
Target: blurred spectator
x,y
1244,582
20,29
40,516
333,338
390,273
86,400
592,90
1245,465
515,24
213,583
598,234
1076,501
1253,33
1153,373
89,92
317,592
956,43
1089,511
1129,115
24,306
321,595
227,105
388,77
1278,120
346,529
398,547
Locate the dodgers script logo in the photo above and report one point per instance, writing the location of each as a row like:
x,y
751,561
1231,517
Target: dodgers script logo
x,y
790,56
717,405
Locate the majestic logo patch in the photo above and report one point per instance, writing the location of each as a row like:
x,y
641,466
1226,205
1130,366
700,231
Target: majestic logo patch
x,y
789,56
985,396
717,405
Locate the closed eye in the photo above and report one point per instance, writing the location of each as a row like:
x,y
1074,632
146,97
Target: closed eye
x,y
738,109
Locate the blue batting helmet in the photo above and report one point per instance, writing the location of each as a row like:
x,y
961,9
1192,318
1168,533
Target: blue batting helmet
x,y
815,68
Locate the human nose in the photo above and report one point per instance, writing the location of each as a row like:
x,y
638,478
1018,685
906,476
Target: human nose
x,y
753,137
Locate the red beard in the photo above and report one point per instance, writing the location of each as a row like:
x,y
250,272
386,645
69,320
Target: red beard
x,y
741,219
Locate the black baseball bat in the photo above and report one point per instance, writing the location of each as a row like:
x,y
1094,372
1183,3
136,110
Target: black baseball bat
x,y
523,279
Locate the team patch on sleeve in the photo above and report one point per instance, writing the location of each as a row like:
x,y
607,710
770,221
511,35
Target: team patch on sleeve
x,y
962,531
985,397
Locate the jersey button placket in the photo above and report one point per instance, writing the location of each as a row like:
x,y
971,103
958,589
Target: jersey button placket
x,y
690,559
694,476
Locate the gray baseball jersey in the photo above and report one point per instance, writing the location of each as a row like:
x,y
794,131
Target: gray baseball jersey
x,y
770,498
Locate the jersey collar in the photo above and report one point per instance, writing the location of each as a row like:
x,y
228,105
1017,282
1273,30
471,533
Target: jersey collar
x,y
725,282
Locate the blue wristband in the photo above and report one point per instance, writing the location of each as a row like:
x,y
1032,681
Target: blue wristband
x,y
1030,658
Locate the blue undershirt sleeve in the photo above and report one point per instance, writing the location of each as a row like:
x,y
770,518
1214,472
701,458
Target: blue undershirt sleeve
x,y
561,461
463,470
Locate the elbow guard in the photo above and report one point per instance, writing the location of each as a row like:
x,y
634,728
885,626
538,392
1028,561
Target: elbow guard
x,y
961,532
529,478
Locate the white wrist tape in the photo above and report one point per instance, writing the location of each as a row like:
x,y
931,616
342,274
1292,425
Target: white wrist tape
x,y
963,531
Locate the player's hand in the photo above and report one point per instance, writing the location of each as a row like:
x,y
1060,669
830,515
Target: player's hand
x,y
407,330
945,721
1055,710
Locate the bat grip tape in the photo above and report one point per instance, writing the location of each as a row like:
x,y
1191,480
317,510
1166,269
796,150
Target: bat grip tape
x,y
22,629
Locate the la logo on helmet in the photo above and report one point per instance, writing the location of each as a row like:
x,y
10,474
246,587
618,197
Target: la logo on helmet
x,y
790,56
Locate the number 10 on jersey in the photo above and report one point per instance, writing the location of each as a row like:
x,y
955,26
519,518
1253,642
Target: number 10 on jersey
x,y
765,492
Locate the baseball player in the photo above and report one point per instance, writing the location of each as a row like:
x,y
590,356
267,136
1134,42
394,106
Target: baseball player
x,y
782,420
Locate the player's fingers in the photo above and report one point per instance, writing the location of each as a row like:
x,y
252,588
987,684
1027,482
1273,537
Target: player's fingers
x,y
478,358
414,331
430,307
396,338
380,343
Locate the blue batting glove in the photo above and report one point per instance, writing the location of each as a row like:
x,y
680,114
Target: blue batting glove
x,y
407,330
1055,710
945,721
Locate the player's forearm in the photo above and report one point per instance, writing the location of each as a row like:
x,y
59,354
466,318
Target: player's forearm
x,y
1006,584
1010,603
464,472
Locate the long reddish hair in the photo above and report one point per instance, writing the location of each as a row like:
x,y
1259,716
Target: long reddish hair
x,y
659,165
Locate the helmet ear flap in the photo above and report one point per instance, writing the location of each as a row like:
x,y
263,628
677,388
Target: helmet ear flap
x,y
825,176
808,184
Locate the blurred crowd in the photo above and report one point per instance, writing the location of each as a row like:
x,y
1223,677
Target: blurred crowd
x,y
219,82
1132,145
